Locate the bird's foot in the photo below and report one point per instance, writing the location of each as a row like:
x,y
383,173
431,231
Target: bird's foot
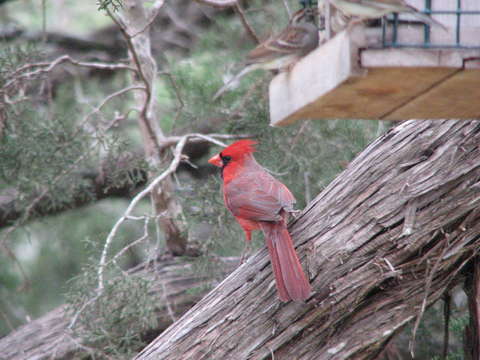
x,y
245,254
295,213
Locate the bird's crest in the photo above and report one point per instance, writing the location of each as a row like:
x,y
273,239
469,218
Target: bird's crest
x,y
240,147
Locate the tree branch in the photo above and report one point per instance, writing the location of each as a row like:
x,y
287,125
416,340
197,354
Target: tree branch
x,y
245,23
100,187
140,68
46,67
235,4
219,4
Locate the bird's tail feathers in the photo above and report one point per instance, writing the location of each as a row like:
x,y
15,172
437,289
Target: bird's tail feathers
x,y
233,81
291,281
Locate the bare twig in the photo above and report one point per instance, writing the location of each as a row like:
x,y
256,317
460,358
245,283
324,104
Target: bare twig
x,y
19,97
239,10
298,134
225,4
46,67
138,241
153,15
175,87
167,303
428,284
177,93
172,140
110,97
287,7
82,308
219,4
308,194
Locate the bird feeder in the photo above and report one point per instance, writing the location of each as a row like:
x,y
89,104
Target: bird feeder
x,y
399,70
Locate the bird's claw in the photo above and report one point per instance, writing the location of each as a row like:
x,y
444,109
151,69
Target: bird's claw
x,y
245,253
295,213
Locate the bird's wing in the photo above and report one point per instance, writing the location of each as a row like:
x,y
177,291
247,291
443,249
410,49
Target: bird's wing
x,y
258,197
292,40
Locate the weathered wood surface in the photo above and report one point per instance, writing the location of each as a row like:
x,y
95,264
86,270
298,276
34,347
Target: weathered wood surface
x,y
48,337
313,76
456,96
388,235
383,93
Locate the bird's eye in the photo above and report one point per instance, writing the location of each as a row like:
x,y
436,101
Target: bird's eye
x,y
226,159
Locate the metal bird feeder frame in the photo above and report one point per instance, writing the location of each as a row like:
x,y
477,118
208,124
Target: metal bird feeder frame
x,y
393,22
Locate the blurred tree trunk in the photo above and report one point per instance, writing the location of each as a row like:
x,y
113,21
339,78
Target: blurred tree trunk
x,y
472,330
48,337
134,23
386,239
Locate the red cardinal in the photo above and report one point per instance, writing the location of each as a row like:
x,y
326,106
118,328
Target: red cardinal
x,y
260,202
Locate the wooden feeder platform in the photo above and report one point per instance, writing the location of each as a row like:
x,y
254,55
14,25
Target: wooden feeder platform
x,y
347,78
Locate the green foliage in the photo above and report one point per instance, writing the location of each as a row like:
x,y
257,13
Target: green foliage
x,y
35,150
12,57
52,147
455,356
430,334
112,324
43,154
50,157
458,323
53,250
115,5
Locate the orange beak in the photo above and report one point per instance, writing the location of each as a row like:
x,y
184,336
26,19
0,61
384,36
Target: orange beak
x,y
216,160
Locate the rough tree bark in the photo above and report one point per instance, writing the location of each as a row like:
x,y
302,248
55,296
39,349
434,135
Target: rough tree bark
x,y
381,243
49,337
134,23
